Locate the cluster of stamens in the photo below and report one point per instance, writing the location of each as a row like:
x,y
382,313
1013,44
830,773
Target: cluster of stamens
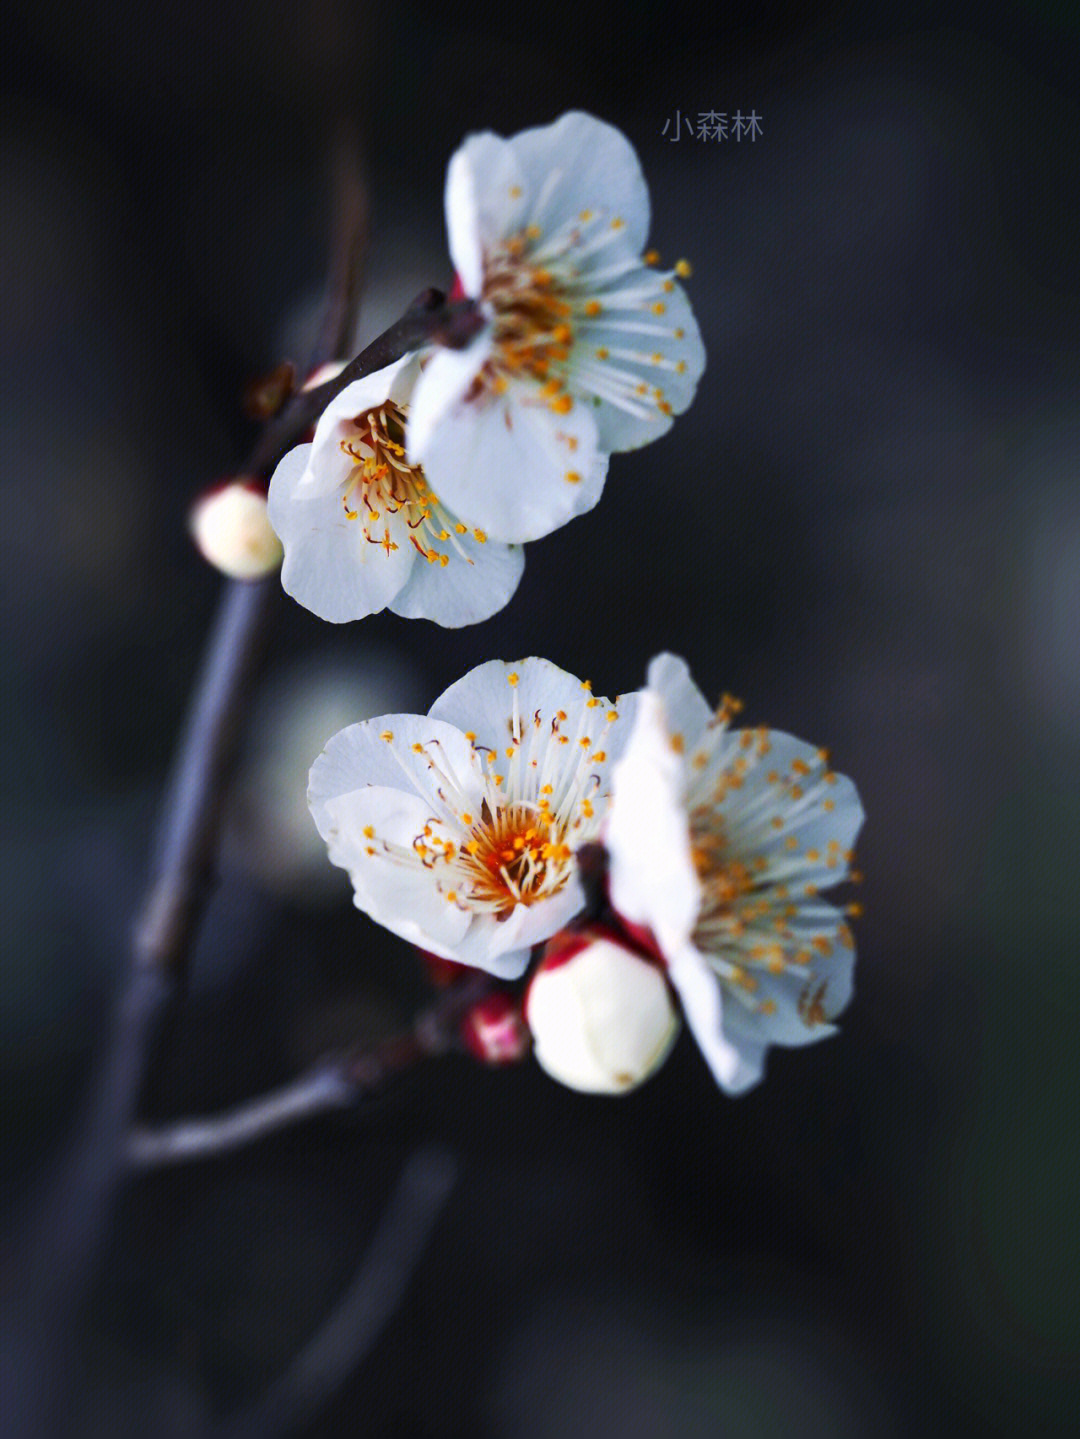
x,y
389,498
750,894
543,793
548,309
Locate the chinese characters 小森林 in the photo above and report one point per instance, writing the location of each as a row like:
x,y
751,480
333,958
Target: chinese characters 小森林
x,y
713,125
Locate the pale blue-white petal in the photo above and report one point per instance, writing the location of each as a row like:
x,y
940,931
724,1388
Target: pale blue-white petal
x,y
472,586
510,466
330,567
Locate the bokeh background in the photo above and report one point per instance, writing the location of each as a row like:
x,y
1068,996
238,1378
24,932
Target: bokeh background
x,y
868,526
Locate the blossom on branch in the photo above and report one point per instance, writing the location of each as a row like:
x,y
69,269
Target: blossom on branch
x,y
719,843
458,828
362,528
587,348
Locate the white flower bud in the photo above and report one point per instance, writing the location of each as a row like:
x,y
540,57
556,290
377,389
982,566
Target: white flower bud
x,y
602,1017
232,530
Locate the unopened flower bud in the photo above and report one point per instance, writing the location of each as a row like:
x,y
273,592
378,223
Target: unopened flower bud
x,y
232,530
602,1016
494,1030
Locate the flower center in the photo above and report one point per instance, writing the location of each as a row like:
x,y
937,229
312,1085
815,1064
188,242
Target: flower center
x,y
516,854
384,493
578,314
530,326
510,839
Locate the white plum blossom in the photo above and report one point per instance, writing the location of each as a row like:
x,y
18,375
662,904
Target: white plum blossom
x,y
458,828
229,525
362,528
719,844
587,349
602,1017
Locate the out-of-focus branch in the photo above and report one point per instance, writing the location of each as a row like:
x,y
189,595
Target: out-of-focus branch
x,y
63,1235
355,1326
333,1084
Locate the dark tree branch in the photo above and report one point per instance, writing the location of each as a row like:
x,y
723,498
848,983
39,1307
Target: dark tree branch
x,y
354,1328
333,1084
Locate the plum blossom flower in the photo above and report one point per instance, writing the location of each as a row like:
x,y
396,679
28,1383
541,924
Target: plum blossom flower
x,y
363,529
588,349
458,828
719,843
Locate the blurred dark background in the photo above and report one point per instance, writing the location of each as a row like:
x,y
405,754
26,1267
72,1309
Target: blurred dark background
x,y
868,526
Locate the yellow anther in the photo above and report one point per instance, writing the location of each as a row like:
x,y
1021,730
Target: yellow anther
x,y
602,353
387,735
480,536
593,307
651,257
512,678
658,307
369,831
572,477
563,405
683,269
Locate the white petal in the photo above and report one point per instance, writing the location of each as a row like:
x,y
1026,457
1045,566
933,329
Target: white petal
x,y
401,896
509,465
652,352
483,701
508,942
736,1063
468,589
686,710
327,466
485,202
329,567
580,163
444,380
652,877
359,755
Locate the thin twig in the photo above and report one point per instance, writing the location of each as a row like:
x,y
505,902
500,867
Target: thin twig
x,y
333,1084
369,1303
